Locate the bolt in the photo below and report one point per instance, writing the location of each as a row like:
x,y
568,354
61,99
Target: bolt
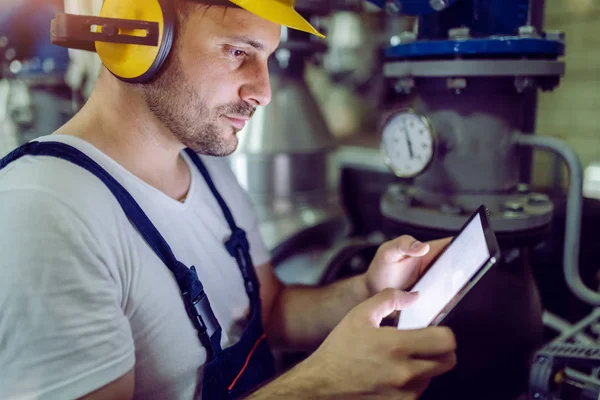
x,y
399,195
523,83
514,207
523,188
541,360
528,31
456,83
392,7
438,5
404,37
461,33
538,199
397,190
451,209
404,85
558,36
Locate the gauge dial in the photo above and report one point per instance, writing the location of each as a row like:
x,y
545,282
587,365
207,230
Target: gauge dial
x,y
407,144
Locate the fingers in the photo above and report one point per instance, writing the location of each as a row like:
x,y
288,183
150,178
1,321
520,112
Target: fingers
x,y
436,247
405,245
428,342
376,308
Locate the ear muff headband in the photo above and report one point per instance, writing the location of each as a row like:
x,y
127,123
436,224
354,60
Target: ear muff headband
x,y
136,63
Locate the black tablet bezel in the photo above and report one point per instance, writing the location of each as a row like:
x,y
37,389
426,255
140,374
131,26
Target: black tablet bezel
x,y
494,251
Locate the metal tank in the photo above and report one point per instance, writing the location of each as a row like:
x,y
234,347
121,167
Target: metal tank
x,y
285,158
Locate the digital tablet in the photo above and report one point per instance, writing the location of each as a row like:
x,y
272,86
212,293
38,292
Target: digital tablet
x,y
453,273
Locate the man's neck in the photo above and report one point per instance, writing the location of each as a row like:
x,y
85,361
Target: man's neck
x,y
118,122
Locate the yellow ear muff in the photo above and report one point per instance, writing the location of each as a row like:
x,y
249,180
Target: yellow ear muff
x,y
133,62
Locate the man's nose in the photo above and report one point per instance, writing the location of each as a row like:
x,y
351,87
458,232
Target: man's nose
x,y
257,89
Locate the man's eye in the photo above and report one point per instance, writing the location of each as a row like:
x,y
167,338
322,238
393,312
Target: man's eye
x,y
237,53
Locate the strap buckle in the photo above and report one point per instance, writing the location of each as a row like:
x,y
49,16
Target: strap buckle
x,y
201,314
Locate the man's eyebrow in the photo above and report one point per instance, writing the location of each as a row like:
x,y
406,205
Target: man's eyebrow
x,y
246,40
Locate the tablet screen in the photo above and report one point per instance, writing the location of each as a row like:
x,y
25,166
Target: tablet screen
x,y
459,262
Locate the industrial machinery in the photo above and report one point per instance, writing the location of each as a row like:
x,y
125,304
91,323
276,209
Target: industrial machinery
x,y
457,133
473,70
284,141
34,99
569,366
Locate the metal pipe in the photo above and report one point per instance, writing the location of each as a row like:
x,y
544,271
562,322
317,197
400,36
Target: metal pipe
x,y
573,215
588,381
563,327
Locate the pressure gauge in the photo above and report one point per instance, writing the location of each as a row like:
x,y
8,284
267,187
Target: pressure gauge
x,y
408,144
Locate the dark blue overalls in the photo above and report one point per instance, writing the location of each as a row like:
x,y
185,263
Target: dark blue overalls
x,y
228,373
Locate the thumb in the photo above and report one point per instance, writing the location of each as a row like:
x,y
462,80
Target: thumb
x,y
376,308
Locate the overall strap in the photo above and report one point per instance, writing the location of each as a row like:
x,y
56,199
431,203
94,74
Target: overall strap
x,y
237,245
195,299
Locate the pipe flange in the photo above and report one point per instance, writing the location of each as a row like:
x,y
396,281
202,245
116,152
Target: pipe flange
x,y
474,68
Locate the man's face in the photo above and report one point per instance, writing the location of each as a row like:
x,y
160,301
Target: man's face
x,y
215,78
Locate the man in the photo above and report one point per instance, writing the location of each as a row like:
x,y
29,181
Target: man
x,y
89,310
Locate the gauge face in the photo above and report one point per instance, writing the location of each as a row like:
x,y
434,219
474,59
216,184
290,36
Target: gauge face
x,y
407,144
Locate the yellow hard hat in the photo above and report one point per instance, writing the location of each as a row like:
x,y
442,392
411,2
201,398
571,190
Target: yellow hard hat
x,y
278,11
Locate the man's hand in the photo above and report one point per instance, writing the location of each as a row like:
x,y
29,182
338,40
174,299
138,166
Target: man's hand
x,y
399,263
361,359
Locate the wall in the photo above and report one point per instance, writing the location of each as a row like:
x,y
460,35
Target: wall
x,y
572,111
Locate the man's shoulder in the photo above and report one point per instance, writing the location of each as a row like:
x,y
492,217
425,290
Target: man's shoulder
x,y
48,204
41,180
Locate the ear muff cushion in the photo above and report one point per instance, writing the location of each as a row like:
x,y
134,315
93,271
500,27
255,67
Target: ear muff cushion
x,y
137,63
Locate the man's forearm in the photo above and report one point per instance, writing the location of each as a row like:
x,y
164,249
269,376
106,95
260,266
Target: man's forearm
x,y
303,316
299,383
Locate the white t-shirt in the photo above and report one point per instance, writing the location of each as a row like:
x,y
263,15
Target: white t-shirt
x,y
83,298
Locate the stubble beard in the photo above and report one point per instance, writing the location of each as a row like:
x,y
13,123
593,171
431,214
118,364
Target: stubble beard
x,y
182,111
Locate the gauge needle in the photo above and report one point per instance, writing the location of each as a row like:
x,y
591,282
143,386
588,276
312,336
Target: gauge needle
x,y
410,149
